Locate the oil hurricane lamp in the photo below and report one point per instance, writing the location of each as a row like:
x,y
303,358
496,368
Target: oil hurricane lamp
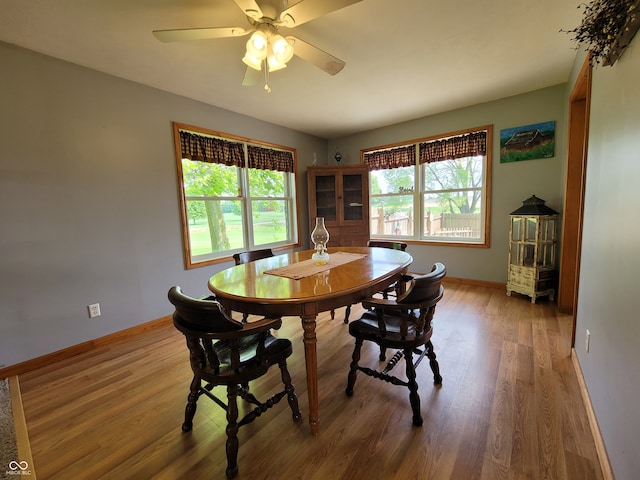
x,y
320,238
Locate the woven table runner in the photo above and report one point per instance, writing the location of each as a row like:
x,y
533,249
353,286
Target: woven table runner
x,y
306,268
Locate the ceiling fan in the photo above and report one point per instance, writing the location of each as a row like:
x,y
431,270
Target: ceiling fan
x,y
267,50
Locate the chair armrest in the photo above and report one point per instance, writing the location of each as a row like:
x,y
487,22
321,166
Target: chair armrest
x,y
265,323
406,277
253,328
390,306
378,303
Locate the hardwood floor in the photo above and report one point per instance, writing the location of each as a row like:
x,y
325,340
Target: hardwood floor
x,y
509,407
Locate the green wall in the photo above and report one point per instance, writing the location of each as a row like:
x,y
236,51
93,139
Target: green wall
x,y
89,200
511,182
608,291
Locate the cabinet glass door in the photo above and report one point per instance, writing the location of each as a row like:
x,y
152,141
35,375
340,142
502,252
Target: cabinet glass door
x,y
530,230
546,255
515,245
352,197
548,227
326,197
516,253
516,229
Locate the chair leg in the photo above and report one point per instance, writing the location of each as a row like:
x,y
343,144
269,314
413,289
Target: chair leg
x,y
232,431
291,394
244,317
383,354
347,312
433,363
414,398
192,404
353,369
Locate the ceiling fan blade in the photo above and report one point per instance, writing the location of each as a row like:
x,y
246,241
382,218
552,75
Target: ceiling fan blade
x,y
251,77
250,8
305,11
181,34
317,57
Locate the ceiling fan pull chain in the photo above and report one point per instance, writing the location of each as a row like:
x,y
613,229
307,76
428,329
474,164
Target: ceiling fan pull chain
x,y
267,88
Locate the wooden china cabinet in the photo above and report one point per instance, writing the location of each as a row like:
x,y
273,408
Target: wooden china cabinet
x,y
341,196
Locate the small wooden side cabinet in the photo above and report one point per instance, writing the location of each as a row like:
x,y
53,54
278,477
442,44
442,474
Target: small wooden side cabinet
x,y
532,250
341,196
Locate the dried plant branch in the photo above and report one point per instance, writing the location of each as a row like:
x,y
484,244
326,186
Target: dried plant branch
x,y
604,23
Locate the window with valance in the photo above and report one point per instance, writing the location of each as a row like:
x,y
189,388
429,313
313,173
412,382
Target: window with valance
x,y
209,149
236,194
404,156
433,189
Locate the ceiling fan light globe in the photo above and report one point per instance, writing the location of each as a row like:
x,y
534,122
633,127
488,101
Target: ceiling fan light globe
x,y
257,45
282,49
252,62
274,64
278,43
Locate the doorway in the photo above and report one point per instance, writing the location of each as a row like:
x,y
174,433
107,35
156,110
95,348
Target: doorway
x,y
578,135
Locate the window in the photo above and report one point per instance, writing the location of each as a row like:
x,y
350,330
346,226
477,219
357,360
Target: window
x,y
432,190
235,195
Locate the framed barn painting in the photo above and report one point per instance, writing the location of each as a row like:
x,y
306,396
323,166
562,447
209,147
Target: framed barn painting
x,y
529,142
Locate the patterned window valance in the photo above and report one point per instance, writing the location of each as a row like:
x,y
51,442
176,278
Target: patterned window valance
x,y
217,150
392,158
467,145
211,150
269,159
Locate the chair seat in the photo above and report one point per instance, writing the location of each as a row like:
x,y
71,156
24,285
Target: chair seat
x,y
274,350
367,328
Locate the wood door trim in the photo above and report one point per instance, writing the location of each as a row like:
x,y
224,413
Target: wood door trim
x,y
579,102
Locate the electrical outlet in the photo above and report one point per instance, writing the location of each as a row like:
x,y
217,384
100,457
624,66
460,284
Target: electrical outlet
x,y
94,310
587,340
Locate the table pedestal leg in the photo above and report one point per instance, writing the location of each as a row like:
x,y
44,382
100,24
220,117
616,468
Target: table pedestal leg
x,y
311,360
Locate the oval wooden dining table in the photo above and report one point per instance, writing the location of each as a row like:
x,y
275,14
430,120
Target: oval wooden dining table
x,y
246,288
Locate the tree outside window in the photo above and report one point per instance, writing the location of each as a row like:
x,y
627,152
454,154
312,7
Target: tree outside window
x,y
432,190
229,207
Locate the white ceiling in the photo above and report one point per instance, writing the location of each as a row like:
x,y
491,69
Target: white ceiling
x,y
405,59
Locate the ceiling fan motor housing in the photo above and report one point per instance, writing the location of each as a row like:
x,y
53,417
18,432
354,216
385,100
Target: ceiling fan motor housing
x,y
269,9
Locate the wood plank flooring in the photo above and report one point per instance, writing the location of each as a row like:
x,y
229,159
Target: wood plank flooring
x,y
509,407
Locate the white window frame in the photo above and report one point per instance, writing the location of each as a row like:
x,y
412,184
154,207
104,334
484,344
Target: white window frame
x,y
418,235
244,197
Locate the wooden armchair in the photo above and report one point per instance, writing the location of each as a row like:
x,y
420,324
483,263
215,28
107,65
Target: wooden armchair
x,y
246,257
250,256
393,244
403,324
393,288
224,352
